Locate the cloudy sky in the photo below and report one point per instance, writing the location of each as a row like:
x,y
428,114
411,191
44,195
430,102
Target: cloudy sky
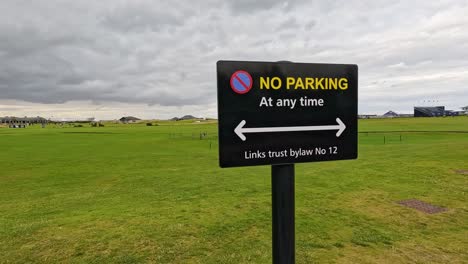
x,y
157,59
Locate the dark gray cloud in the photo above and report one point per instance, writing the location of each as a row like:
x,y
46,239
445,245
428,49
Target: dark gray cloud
x,y
243,7
164,52
289,24
140,18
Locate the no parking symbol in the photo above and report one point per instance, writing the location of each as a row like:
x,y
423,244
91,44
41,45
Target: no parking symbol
x,y
241,82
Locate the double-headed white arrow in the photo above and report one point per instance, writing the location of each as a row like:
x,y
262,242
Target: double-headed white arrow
x,y
240,130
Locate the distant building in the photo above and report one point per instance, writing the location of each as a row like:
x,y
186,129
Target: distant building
x,y
367,116
22,120
452,113
185,117
129,119
390,114
429,111
465,110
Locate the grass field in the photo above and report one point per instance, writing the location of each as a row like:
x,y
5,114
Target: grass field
x,y
132,193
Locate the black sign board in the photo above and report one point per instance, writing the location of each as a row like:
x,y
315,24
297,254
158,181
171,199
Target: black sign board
x,y
282,112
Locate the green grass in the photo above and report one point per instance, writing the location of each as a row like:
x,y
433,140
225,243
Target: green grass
x,y
132,193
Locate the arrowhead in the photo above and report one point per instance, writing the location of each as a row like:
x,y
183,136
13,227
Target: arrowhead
x,y
238,130
341,127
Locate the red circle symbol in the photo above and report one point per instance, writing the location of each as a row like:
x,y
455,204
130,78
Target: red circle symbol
x,y
241,82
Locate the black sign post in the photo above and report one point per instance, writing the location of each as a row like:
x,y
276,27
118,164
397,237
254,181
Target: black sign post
x,y
281,113
283,213
283,226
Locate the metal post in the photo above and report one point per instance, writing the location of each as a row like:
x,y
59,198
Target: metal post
x,y
282,188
